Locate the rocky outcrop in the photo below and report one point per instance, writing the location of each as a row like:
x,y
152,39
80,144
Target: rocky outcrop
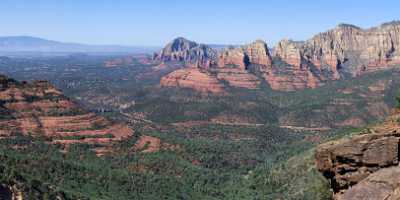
x,y
351,49
189,52
232,68
233,56
238,78
381,185
290,52
365,165
255,53
40,109
193,78
200,55
331,55
291,78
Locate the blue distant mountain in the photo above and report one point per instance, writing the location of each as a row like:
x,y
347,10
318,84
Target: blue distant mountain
x,y
34,44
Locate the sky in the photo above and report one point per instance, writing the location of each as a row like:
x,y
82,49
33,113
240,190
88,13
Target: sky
x,y
155,22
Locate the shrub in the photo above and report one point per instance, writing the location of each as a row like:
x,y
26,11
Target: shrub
x,y
398,100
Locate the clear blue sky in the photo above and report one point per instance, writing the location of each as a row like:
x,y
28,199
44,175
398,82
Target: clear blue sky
x,y
154,22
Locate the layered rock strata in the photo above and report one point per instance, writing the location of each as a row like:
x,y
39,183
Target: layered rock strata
x,y
346,50
193,78
39,109
189,52
364,166
254,53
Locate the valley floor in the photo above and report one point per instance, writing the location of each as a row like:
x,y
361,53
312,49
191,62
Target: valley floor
x,y
249,144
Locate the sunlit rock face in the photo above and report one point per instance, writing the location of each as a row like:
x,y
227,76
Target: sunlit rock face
x,y
346,50
40,109
193,78
355,49
254,53
364,166
189,52
290,52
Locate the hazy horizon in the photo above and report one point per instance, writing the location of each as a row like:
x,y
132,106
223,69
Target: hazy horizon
x,y
155,22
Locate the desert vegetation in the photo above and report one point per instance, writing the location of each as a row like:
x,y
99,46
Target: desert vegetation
x,y
249,144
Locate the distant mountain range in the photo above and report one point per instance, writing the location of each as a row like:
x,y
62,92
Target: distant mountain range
x,y
14,44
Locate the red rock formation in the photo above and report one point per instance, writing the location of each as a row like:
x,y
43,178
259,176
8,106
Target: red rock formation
x,y
327,56
354,165
254,53
38,108
232,56
292,79
239,78
258,53
193,78
189,52
381,185
290,52
378,46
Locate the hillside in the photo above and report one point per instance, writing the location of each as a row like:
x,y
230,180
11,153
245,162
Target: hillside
x,y
39,109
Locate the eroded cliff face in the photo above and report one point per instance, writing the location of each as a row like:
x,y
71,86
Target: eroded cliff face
x,y
365,49
364,166
189,52
332,55
290,52
289,78
39,109
346,48
193,78
255,53
230,67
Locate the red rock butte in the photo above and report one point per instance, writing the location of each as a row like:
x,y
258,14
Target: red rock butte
x,y
39,109
291,65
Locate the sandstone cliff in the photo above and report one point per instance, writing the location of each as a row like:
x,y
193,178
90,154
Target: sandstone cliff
x,y
365,49
193,78
346,50
254,53
290,52
364,166
39,109
189,52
